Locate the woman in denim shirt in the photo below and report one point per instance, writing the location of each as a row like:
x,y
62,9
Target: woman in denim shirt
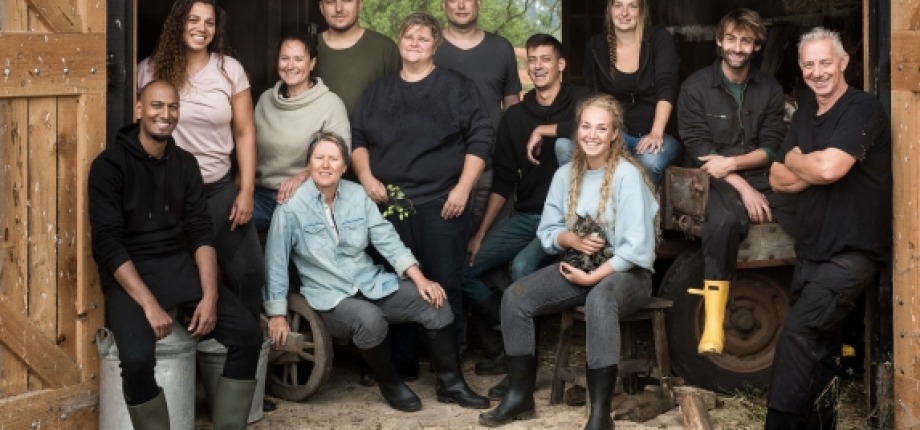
x,y
324,229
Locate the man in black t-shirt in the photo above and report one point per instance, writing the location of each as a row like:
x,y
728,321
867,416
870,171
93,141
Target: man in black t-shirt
x,y
837,156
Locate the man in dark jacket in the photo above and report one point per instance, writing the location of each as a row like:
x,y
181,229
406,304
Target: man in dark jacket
x,y
514,239
153,244
730,117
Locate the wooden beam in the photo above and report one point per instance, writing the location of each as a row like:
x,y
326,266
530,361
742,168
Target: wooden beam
x,y
35,65
90,303
59,15
69,188
54,367
14,222
73,407
905,60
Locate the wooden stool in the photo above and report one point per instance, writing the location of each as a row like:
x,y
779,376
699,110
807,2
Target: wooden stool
x,y
629,366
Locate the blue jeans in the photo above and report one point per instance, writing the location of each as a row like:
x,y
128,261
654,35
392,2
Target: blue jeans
x,y
546,292
654,163
512,239
264,201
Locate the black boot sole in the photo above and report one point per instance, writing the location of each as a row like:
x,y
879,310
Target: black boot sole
x,y
487,421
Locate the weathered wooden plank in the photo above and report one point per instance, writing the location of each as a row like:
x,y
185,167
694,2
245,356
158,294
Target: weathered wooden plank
x,y
40,355
90,303
42,229
15,16
60,16
36,65
907,401
13,226
905,15
905,60
71,407
95,16
68,190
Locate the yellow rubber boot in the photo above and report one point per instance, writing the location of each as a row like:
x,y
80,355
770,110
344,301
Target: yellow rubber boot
x,y
715,298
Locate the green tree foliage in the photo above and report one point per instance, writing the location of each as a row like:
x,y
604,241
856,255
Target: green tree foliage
x,y
516,20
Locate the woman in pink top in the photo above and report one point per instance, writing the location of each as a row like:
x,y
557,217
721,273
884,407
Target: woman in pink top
x,y
215,118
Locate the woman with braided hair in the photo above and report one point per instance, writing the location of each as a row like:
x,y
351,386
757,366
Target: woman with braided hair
x,y
603,181
637,64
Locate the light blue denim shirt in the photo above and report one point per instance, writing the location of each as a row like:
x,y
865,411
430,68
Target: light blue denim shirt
x,y
330,271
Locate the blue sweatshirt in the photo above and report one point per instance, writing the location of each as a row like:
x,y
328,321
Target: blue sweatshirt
x,y
629,217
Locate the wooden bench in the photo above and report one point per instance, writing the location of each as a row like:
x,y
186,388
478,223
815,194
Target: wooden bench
x,y
630,366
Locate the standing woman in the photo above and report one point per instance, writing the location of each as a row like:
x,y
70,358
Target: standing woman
x,y
601,181
637,64
286,116
216,120
424,129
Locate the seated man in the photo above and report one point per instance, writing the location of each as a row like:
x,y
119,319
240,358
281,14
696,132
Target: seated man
x,y
730,117
515,239
324,229
152,241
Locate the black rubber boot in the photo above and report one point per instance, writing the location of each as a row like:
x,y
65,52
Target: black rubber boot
x,y
500,389
518,403
779,420
600,389
397,394
452,388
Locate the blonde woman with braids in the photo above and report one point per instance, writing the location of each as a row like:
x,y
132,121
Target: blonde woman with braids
x,y
637,64
603,181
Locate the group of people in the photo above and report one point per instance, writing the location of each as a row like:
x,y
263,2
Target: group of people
x,y
177,200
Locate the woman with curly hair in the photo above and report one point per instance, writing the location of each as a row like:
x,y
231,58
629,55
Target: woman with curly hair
x,y
602,181
216,119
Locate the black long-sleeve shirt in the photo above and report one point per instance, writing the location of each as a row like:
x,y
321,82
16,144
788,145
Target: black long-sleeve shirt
x,y
141,207
418,134
511,166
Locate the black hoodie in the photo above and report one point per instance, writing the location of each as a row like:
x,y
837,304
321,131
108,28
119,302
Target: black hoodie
x,y
141,207
510,163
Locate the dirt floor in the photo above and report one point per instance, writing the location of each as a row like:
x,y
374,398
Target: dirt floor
x,y
343,403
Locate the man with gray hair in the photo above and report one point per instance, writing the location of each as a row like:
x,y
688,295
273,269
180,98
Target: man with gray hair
x,y
837,157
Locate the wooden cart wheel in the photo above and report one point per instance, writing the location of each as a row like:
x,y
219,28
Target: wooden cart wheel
x,y
297,375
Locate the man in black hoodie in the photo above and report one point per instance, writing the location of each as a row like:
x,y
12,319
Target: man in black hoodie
x,y
153,245
515,239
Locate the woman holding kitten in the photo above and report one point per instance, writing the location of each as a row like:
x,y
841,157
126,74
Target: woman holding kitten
x,y
604,181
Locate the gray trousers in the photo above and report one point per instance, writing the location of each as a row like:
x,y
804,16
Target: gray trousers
x,y
546,292
366,322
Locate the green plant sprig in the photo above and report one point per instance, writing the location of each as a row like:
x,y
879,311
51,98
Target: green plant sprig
x,y
399,205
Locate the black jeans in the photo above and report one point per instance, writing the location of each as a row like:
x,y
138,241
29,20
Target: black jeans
x,y
823,293
727,224
239,253
173,280
439,245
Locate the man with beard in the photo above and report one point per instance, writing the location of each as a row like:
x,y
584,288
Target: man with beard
x,y
351,57
730,117
837,155
154,247
488,59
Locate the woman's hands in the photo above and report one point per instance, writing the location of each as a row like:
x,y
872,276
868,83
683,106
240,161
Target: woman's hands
x,y
431,292
650,144
241,211
289,186
589,244
278,330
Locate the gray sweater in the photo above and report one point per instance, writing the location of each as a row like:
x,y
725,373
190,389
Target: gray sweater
x,y
284,126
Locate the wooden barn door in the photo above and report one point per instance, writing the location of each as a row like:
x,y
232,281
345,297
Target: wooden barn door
x,y
905,119
52,123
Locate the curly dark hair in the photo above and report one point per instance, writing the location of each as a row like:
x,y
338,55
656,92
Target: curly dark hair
x,y
170,59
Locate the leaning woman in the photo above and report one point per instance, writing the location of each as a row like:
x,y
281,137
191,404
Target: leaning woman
x,y
602,181
325,229
286,115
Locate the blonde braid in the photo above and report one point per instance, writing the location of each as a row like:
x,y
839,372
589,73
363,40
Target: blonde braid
x,y
612,49
578,165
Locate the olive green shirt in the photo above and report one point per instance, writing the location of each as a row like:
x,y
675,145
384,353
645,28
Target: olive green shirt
x,y
347,72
